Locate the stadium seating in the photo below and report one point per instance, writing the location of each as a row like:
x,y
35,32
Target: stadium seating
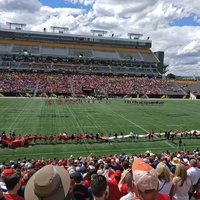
x,y
78,84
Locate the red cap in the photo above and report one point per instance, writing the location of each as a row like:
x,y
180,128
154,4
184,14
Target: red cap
x,y
118,173
7,172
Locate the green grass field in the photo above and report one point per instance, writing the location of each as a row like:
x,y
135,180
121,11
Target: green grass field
x,y
32,116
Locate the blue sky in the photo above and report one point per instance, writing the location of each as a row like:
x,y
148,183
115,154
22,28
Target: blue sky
x,y
58,3
173,26
62,4
185,21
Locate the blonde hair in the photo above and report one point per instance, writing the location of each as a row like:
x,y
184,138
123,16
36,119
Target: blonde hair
x,y
163,172
181,173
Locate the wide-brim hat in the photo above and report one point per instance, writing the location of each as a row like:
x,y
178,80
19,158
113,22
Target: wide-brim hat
x,y
176,161
48,183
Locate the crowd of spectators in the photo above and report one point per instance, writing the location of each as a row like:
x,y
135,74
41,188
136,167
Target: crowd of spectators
x,y
29,82
146,176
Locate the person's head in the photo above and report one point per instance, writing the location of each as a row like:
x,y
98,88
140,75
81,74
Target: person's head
x,y
77,177
98,186
117,174
193,162
145,180
13,181
125,164
181,172
128,181
176,161
48,183
7,172
28,175
163,172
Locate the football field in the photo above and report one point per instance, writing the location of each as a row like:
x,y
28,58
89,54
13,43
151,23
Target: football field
x,y
32,116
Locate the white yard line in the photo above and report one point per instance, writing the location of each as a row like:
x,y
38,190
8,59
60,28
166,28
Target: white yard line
x,y
19,115
138,126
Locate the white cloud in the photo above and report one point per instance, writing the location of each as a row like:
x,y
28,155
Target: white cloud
x,y
153,18
84,2
191,48
20,5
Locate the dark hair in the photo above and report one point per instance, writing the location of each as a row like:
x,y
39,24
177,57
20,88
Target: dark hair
x,y
129,180
77,177
125,164
12,180
98,185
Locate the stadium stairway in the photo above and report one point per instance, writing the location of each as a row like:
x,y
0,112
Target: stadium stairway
x,y
36,88
103,91
179,88
72,88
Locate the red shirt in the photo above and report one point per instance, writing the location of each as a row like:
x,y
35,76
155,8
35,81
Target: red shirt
x,y
124,188
114,193
86,183
12,197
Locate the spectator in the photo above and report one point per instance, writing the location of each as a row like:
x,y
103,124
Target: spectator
x,y
165,184
175,161
182,183
80,191
113,191
24,181
117,165
101,169
127,180
4,174
49,183
98,187
13,183
145,182
194,173
125,164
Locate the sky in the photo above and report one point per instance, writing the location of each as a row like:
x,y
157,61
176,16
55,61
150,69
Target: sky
x,y
172,25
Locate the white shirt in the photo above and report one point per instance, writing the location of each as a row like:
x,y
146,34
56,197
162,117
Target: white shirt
x,y
182,192
164,187
194,174
128,196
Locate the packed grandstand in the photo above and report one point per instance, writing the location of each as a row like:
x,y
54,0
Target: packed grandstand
x,y
37,63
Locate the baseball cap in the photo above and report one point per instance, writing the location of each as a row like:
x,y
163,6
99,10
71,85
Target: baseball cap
x,y
118,173
144,176
49,183
7,172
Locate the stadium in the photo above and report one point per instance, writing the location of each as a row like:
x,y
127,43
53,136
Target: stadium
x,y
56,84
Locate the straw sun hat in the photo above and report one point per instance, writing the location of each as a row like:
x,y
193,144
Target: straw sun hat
x,y
176,161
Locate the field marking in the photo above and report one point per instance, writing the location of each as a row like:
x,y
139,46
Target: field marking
x,y
92,120
75,120
179,125
19,114
138,126
96,123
